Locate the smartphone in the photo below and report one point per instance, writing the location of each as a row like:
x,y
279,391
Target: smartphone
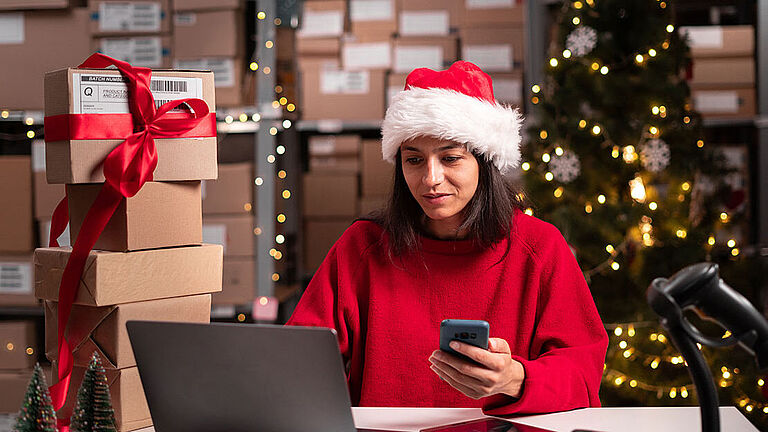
x,y
485,425
473,332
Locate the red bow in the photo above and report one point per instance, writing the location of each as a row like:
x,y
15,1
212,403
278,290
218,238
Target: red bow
x,y
126,169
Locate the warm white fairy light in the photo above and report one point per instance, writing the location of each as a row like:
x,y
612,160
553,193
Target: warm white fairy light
x,y
637,189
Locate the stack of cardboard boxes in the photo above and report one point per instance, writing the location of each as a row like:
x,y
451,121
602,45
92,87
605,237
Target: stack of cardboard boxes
x,y
353,59
18,352
149,262
228,221
43,35
723,75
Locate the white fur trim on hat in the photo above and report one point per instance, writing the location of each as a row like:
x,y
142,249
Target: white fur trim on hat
x,y
489,129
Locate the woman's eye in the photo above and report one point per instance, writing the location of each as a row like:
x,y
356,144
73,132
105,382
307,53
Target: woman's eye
x,y
451,158
412,160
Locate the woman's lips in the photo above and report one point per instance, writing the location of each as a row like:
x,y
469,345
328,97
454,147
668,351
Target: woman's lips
x,y
435,199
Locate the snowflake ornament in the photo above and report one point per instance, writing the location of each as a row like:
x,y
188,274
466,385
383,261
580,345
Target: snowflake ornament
x,y
655,155
565,168
581,41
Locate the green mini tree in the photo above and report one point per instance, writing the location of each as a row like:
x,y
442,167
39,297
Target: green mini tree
x,y
37,413
93,411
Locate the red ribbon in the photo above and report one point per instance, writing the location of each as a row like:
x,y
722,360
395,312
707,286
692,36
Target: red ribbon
x,y
126,169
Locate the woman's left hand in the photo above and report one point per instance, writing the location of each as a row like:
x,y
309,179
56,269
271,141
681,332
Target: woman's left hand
x,y
496,372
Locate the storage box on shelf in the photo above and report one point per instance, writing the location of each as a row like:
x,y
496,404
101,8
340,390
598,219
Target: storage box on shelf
x,y
427,17
153,51
16,232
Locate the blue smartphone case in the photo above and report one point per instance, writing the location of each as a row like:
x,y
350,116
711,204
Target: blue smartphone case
x,y
473,332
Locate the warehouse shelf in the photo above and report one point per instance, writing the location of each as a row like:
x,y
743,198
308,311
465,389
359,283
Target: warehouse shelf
x,y
14,312
728,121
335,126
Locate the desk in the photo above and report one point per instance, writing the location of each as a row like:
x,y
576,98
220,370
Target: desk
x,y
650,419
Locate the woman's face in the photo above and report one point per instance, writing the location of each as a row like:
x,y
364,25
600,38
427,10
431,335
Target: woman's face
x,y
442,176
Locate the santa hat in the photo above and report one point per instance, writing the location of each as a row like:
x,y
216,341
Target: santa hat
x,y
458,105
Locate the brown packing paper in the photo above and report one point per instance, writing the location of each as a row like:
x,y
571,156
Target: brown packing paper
x,y
162,214
102,329
126,392
16,233
117,277
80,161
18,345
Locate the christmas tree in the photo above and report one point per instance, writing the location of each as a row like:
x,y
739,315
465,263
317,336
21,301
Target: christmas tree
x,y
93,411
617,160
37,414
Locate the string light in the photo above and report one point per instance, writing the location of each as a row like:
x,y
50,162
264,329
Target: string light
x,y
280,149
258,181
243,117
269,44
286,194
278,89
577,5
228,119
711,241
267,70
271,158
549,176
256,117
700,143
273,130
582,124
601,199
261,15
241,317
595,66
615,265
287,124
254,66
275,104
543,134
30,134
566,54
652,52
247,207
279,239
615,152
735,251
724,217
30,351
545,157
5,114
535,88
610,249
637,189
275,277
283,100
257,231
553,62
281,218
525,166
558,192
652,205
559,151
670,28
731,243
639,59
278,21
529,211
281,174
655,110
290,107
604,70
596,130
588,208
685,186
29,121
535,100
681,233
576,21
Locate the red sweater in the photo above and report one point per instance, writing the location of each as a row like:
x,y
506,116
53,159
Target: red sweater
x,y
388,316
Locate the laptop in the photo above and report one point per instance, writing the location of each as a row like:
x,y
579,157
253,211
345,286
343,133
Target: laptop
x,y
244,377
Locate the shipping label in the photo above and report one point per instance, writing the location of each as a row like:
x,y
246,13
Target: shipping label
x,y
94,93
12,28
15,278
344,82
38,155
223,68
704,37
720,102
185,19
215,234
489,4
424,23
130,16
322,145
371,10
142,51
490,58
322,24
367,55
408,58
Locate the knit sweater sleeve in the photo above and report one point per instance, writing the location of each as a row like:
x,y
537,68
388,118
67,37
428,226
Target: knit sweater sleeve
x,y
565,363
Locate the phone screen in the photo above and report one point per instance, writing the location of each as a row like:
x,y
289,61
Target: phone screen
x,y
485,425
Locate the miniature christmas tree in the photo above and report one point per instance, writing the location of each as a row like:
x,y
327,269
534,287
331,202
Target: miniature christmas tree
x,y
93,411
37,413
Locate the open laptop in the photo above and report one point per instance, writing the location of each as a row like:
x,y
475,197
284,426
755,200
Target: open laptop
x,y
240,377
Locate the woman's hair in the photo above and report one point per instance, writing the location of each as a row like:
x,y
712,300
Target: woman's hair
x,y
487,215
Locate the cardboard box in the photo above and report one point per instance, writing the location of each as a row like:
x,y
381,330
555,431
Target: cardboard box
x,y
126,392
145,51
18,345
377,174
334,164
47,196
358,55
14,385
16,209
322,19
427,17
373,18
334,145
185,5
162,214
120,17
319,237
493,49
318,46
329,93
232,192
239,285
318,202
508,87
233,233
227,73
720,41
371,204
33,4
218,33
436,53
481,13
117,277
58,39
722,72
80,161
16,287
395,84
102,329
724,103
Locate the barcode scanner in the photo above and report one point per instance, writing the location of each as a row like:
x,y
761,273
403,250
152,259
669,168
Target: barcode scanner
x,y
699,287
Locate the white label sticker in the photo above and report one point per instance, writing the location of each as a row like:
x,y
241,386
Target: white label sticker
x,y
94,93
330,125
322,145
215,234
38,155
12,28
424,23
64,239
15,278
185,19
344,82
489,4
143,51
704,37
223,68
322,24
720,102
408,58
508,90
130,16
490,58
367,55
371,10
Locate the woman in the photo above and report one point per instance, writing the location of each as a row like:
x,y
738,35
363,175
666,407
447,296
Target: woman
x,y
453,243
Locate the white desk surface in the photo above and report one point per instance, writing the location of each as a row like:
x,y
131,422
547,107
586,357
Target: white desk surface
x,y
650,419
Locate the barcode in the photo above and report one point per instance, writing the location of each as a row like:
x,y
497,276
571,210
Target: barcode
x,y
168,86
161,102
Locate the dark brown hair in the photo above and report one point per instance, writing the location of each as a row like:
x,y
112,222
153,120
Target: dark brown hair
x,y
487,215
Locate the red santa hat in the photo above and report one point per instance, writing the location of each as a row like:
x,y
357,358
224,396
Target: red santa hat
x,y
458,105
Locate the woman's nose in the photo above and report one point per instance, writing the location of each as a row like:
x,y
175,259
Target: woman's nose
x,y
434,174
